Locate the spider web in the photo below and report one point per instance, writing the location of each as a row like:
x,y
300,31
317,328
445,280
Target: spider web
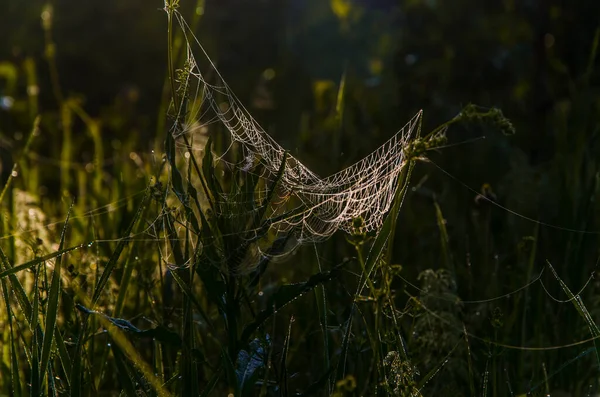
x,y
363,190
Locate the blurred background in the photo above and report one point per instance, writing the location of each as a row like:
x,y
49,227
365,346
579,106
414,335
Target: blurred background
x,y
536,60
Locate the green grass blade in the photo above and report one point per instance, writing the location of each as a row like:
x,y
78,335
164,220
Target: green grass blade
x,y
444,238
210,386
37,261
27,309
53,302
286,294
283,364
437,368
125,280
469,362
63,354
190,295
14,373
78,365
341,364
384,239
321,299
340,102
208,173
230,372
117,252
581,309
319,385
34,132
126,380
386,234
259,215
36,387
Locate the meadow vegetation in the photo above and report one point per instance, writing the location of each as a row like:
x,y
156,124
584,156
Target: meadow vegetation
x,y
136,268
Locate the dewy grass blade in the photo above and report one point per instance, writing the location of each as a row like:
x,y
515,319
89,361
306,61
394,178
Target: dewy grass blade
x,y
581,309
117,252
36,387
384,238
190,294
37,261
286,294
53,302
284,357
27,309
444,238
34,132
437,368
386,234
115,328
125,280
126,380
14,373
211,384
321,298
259,215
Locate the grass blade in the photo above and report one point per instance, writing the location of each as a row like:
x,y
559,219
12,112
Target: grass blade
x,y
53,302
27,309
286,294
14,372
117,252
190,295
321,298
36,387
37,261
284,356
211,384
122,372
34,132
581,309
444,238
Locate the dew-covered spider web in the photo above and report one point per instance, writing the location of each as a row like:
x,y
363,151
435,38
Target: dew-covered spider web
x,y
364,190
